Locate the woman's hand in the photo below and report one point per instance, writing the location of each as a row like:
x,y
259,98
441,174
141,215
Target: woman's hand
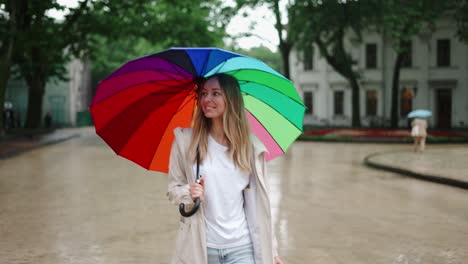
x,y
197,191
278,260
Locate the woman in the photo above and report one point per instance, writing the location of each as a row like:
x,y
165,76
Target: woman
x,y
419,134
233,224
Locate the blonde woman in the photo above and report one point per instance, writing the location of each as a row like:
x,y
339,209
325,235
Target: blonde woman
x,y
233,224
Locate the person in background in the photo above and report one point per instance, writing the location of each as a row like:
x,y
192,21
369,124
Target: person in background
x,y
48,120
419,134
233,224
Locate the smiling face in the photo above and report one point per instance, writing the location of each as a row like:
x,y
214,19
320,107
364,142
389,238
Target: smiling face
x,y
212,99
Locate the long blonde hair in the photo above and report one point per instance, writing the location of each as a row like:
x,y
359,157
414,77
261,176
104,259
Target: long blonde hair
x,y
235,125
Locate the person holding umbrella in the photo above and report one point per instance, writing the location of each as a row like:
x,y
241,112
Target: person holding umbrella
x,y
419,128
205,111
419,134
233,224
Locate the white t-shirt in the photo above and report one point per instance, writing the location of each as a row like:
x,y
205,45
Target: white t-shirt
x,y
226,224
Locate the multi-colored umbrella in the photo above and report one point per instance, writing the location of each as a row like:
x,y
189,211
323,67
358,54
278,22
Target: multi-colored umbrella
x,y
137,107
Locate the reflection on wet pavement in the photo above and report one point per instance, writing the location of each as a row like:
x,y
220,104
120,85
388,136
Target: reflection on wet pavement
x,y
448,161
77,202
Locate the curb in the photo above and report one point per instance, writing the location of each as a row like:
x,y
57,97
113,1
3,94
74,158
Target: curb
x,y
376,140
18,151
421,176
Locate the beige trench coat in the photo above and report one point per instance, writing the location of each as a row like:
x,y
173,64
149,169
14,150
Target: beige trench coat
x,y
419,128
191,241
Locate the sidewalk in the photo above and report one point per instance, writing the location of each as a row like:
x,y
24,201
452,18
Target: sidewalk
x,y
446,165
441,164
15,145
380,135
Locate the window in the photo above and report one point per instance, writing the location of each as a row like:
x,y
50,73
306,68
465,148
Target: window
x,y
371,56
406,101
308,101
371,103
407,55
443,52
308,59
338,97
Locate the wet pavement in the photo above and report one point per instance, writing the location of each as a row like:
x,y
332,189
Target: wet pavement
x,y
444,164
78,202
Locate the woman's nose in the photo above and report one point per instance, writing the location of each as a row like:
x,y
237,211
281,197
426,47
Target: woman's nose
x,y
208,97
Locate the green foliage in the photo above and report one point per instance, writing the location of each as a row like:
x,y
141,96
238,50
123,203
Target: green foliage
x,y
401,21
325,23
109,54
110,32
461,17
328,24
273,59
285,41
123,30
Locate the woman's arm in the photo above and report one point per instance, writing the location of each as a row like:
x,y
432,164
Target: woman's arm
x,y
177,187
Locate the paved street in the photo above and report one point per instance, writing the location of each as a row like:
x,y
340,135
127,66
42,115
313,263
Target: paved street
x,y
77,202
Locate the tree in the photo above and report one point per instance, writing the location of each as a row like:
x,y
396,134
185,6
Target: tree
x,y
41,53
149,27
461,11
285,41
12,14
48,44
327,24
400,21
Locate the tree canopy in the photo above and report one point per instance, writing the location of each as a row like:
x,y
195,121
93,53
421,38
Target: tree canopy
x,y
107,32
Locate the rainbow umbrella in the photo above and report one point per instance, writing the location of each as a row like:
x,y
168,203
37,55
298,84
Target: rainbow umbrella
x,y
137,107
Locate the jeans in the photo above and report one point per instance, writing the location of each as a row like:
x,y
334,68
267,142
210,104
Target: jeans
x,y
236,255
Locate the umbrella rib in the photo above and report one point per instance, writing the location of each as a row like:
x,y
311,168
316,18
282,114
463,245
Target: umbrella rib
x,y
137,101
253,69
132,86
273,89
264,84
136,129
178,69
181,68
206,62
274,109
178,110
273,138
220,67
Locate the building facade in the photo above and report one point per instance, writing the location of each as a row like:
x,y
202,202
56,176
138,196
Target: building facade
x,y
434,76
62,99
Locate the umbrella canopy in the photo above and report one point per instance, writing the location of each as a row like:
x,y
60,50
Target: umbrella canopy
x,y
419,113
137,107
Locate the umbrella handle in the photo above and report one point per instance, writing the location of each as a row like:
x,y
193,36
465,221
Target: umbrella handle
x,y
191,212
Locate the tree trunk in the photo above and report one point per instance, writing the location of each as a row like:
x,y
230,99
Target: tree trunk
x,y
36,87
356,115
345,69
395,90
7,48
4,76
285,49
